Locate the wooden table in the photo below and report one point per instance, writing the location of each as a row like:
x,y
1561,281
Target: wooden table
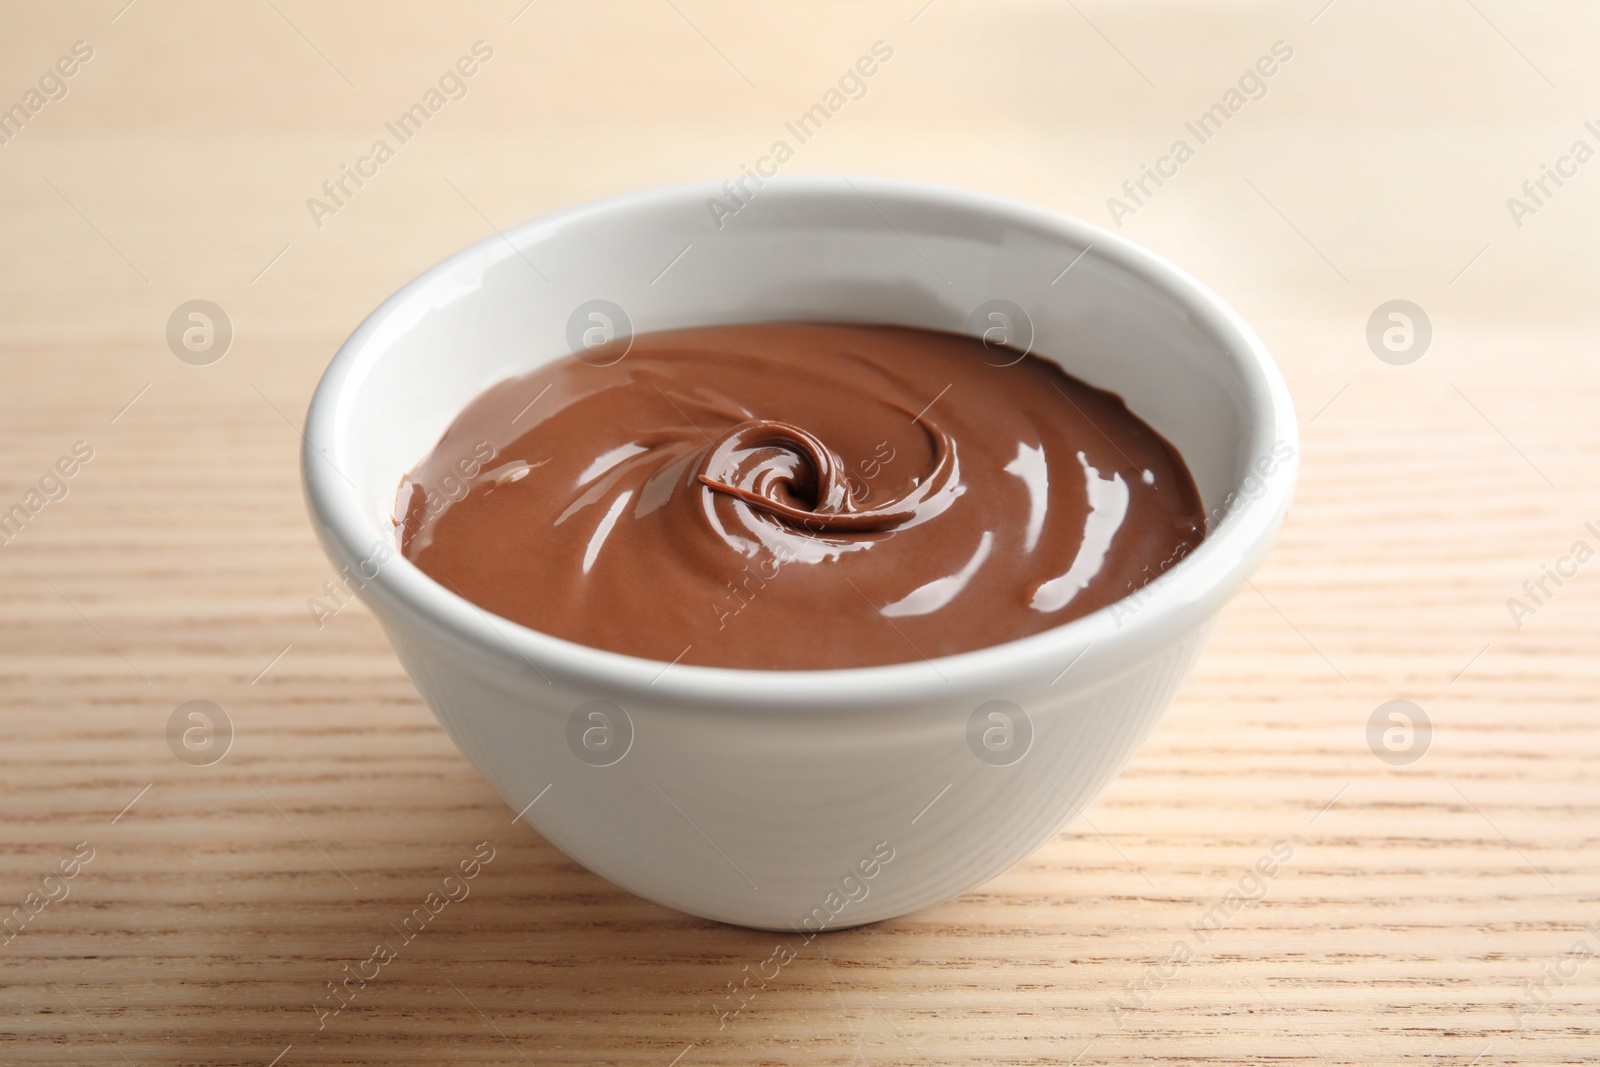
x,y
1432,911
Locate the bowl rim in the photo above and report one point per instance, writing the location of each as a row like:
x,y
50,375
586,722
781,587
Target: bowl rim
x,y
1188,594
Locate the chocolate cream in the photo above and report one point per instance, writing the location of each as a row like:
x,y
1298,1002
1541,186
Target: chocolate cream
x,y
797,496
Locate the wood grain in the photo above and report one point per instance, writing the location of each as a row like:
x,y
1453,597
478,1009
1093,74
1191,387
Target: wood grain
x,y
1421,905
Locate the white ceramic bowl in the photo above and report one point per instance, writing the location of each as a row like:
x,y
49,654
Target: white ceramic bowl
x,y
803,799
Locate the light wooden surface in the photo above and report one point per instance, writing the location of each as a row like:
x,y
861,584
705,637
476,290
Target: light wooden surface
x,y
1420,900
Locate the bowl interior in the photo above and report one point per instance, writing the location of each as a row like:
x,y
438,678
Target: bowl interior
x,y
811,249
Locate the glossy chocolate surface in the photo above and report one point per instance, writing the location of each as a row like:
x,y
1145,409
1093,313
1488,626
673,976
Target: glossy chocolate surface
x,y
798,496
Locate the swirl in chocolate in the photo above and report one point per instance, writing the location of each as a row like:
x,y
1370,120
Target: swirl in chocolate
x,y
797,496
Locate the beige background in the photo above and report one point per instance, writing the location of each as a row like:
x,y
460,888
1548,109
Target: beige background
x,y
1419,899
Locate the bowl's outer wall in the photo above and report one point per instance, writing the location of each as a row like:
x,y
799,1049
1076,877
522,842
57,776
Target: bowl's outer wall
x,y
751,799
755,823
